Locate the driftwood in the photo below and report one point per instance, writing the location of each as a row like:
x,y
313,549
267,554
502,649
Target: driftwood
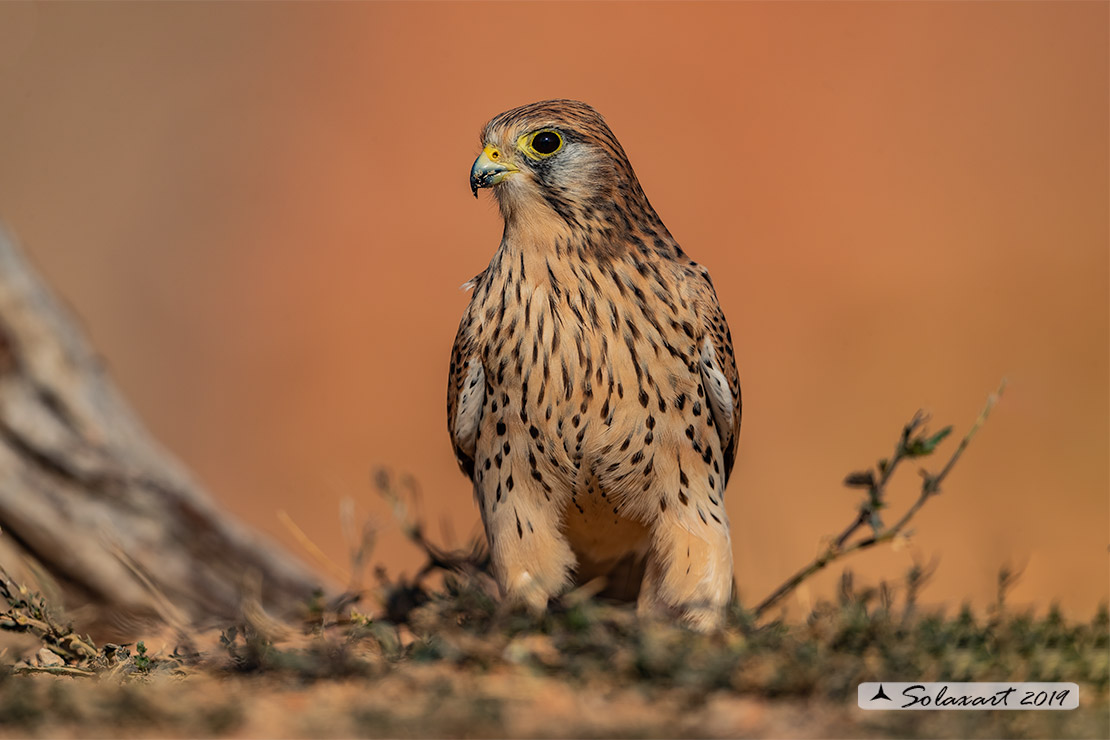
x,y
88,497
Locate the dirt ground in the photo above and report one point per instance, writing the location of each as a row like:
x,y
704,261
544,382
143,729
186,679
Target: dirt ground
x,y
451,662
434,701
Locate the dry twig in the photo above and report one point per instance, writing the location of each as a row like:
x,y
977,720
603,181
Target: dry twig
x,y
914,442
27,612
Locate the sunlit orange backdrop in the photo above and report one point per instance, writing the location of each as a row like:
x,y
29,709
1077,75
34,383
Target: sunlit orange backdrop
x,y
261,214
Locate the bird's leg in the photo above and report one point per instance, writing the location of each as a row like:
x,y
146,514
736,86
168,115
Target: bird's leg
x,y
530,555
689,566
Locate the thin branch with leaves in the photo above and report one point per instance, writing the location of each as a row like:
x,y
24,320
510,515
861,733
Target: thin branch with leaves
x,y
914,442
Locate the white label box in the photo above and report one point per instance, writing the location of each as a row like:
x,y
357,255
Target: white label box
x,y
950,695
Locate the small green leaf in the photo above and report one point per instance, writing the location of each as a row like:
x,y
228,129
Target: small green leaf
x,y
860,479
937,438
142,661
921,446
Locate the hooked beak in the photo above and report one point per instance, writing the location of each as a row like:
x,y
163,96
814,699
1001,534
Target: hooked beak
x,y
489,169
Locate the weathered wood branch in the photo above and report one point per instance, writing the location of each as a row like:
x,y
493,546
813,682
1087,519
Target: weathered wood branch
x,y
92,499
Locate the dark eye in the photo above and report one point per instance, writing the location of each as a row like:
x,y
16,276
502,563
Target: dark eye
x,y
546,142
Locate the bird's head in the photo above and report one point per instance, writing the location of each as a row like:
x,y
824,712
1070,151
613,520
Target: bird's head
x,y
557,157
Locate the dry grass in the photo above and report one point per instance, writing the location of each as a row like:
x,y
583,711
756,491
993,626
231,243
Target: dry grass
x,y
441,657
453,663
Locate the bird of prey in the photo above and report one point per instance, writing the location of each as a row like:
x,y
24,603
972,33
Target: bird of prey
x,y
593,397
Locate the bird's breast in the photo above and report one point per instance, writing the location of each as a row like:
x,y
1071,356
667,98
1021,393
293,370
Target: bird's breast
x,y
597,363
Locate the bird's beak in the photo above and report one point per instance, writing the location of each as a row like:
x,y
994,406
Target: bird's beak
x,y
489,169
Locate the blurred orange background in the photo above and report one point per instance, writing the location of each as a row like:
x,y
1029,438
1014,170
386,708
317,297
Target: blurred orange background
x,y
261,214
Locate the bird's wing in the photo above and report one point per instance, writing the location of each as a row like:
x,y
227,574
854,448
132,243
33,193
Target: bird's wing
x,y
466,397
717,363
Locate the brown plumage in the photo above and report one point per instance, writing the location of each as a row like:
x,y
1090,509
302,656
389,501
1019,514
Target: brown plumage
x,y
593,397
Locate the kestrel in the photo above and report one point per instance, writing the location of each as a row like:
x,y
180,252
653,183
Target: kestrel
x,y
593,397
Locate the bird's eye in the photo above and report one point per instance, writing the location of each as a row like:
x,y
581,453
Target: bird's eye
x,y
546,143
